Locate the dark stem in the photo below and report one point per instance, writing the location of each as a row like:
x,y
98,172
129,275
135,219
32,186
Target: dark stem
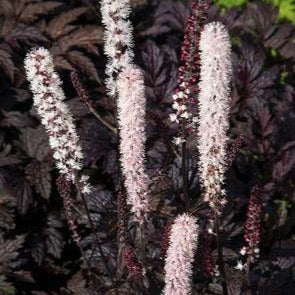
x,y
143,257
122,216
86,263
92,227
184,170
102,120
84,96
142,246
246,286
220,255
65,191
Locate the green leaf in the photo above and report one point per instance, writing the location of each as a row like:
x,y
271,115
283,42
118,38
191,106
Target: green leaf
x,y
287,10
231,3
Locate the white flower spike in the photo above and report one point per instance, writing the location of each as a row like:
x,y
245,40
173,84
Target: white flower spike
x,y
118,45
214,103
57,119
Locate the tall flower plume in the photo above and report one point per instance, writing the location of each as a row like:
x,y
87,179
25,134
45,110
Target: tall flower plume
x,y
131,109
180,255
214,103
48,99
118,39
184,98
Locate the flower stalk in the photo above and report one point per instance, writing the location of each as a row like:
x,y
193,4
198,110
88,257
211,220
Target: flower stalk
x,y
252,227
131,109
118,45
55,115
83,95
214,103
57,119
185,96
214,107
180,255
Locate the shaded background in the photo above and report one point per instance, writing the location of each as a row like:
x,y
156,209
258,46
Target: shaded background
x,y
37,254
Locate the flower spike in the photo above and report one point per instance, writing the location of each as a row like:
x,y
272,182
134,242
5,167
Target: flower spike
x,y
131,106
180,255
214,103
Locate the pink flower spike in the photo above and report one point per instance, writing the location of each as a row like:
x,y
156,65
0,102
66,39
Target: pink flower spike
x,y
131,106
214,103
180,255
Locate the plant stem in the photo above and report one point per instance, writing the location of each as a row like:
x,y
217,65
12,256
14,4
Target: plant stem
x,y
220,255
246,286
142,245
92,227
83,95
143,256
184,168
102,120
122,229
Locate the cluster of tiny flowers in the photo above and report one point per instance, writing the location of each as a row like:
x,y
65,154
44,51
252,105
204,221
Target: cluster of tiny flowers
x,y
132,264
48,99
234,149
205,258
118,39
214,102
131,115
81,91
86,188
65,190
122,217
252,227
185,97
180,255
